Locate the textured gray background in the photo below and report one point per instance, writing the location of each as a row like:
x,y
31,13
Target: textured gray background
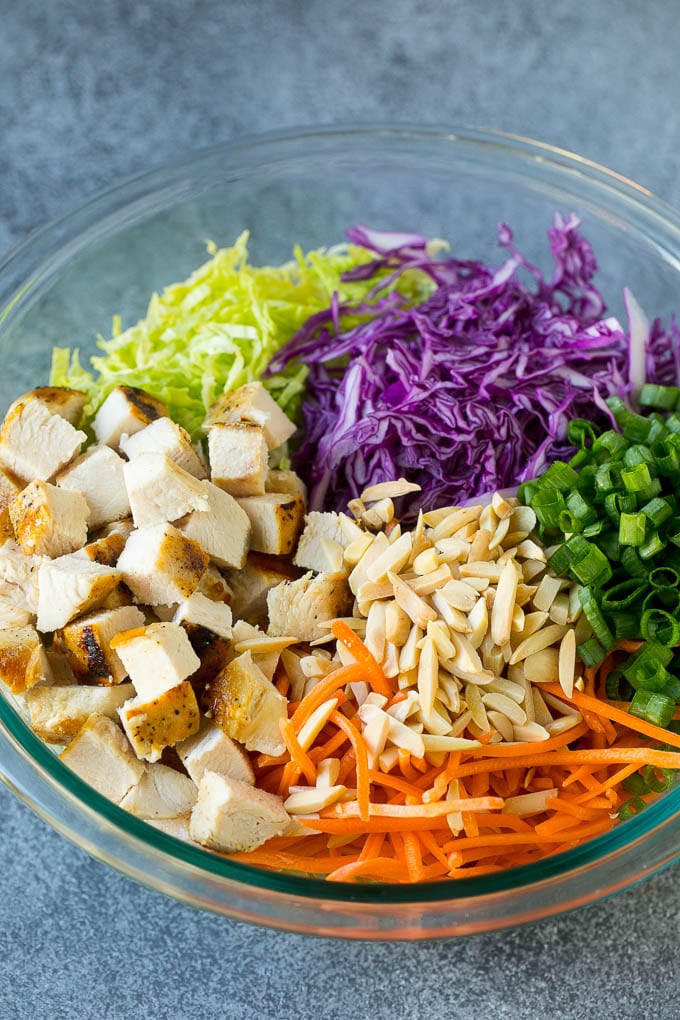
x,y
90,92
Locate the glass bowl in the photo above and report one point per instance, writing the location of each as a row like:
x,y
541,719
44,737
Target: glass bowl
x,y
62,285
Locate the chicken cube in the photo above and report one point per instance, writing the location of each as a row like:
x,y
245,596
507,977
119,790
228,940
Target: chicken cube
x,y
156,657
223,530
100,754
58,713
12,615
19,577
34,443
214,586
125,411
321,544
71,585
161,792
201,611
252,403
165,436
98,475
285,481
298,607
250,585
235,817
212,750
161,566
161,722
239,458
105,550
59,400
87,642
176,827
23,659
276,521
247,706
10,486
159,490
48,520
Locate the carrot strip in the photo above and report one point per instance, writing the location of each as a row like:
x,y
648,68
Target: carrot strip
x,y
394,783
602,708
381,868
603,756
361,752
291,862
567,807
297,753
324,690
520,749
356,647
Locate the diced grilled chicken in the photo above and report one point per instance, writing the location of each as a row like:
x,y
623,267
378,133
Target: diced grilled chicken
x,y
19,577
23,660
165,436
212,750
161,566
160,722
71,585
298,607
285,481
176,827
49,521
12,615
161,792
159,490
34,443
59,712
100,754
247,706
10,486
87,642
214,586
223,530
250,585
156,657
233,816
252,403
276,521
104,550
125,411
321,544
265,650
59,400
201,611
98,475
238,457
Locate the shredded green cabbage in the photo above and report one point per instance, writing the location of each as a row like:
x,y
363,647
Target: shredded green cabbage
x,y
216,331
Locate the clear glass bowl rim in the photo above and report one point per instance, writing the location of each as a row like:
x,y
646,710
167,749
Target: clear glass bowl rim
x,y
31,264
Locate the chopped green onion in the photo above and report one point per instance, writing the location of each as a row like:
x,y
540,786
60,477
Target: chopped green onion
x,y
663,397
657,511
664,577
635,784
632,529
591,652
637,478
631,807
548,504
658,780
651,546
632,563
659,626
559,476
623,594
581,433
595,618
654,707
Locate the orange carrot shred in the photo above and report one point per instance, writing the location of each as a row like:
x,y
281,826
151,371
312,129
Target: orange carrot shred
x,y
356,647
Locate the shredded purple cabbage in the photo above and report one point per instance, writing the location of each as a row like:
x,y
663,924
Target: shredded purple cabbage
x,y
471,390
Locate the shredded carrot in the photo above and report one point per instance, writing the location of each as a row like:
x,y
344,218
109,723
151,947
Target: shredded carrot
x,y
361,753
356,647
298,755
602,708
324,690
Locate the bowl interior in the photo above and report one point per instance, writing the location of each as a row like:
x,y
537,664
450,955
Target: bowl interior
x,y
64,285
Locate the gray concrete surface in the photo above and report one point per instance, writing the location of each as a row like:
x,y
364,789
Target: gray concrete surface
x,y
92,92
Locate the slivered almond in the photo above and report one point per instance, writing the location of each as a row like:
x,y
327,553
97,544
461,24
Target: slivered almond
x,y
501,507
350,528
488,520
506,706
428,673
410,653
388,759
561,725
525,593
559,610
388,490
394,558
467,657
314,799
437,721
405,708
406,737
454,820
452,550
531,732
541,712
448,743
375,733
455,521
529,803
393,531
485,569
575,607
316,722
327,772
517,621
546,592
264,644
426,561
502,685
390,660
357,548
459,595
529,550
479,622
532,623
501,724
461,723
449,692
432,581
397,624
531,569
522,519
375,630
558,705
499,534
412,604
543,666
479,547
316,666
376,548
454,618
504,604
473,700
537,641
